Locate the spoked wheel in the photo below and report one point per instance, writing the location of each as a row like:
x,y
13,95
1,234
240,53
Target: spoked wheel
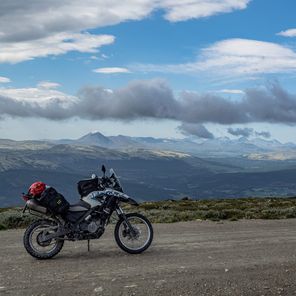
x,y
135,236
34,241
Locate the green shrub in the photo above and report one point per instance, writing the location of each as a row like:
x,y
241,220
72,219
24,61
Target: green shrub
x,y
13,218
169,211
2,227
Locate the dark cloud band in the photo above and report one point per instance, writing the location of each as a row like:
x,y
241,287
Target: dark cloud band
x,y
244,132
195,129
155,99
247,132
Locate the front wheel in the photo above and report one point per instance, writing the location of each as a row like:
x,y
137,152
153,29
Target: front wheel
x,y
135,234
34,243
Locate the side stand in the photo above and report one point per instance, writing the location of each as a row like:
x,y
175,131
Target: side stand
x,y
88,248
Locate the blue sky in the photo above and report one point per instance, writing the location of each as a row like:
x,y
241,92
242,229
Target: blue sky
x,y
209,48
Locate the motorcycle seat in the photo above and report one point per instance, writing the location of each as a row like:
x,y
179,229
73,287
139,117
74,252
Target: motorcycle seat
x,y
79,206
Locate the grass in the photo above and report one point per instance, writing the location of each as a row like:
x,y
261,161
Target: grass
x,y
223,209
13,218
187,210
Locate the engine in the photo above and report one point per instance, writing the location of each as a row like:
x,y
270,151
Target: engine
x,y
89,226
92,225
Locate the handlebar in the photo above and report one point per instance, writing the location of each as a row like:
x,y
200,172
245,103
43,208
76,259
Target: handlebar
x,y
111,181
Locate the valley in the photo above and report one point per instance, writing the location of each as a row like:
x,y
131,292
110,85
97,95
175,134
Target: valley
x,y
148,171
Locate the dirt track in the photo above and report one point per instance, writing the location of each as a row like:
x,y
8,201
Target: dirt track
x,y
196,258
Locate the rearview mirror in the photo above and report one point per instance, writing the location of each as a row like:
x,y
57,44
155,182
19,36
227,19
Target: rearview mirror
x,y
103,169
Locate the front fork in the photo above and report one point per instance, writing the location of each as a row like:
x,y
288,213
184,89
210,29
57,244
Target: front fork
x,y
127,225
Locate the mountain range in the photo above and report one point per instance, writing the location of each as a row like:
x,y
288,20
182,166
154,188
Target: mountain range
x,y
216,147
150,168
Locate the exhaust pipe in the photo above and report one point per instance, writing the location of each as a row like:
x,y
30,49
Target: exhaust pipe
x,y
33,205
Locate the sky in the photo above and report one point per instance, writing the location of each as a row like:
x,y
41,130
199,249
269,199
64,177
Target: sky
x,y
161,68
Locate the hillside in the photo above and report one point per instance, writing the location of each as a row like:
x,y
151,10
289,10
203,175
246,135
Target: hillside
x,y
146,174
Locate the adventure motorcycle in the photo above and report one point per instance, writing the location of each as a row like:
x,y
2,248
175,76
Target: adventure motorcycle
x,y
85,220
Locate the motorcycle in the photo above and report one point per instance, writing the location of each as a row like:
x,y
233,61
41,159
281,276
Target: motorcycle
x,y
87,219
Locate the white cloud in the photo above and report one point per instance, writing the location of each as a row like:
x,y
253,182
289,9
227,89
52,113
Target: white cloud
x,y
111,70
100,57
235,57
4,79
38,95
104,56
40,18
30,29
52,45
177,10
47,85
231,91
288,33
243,57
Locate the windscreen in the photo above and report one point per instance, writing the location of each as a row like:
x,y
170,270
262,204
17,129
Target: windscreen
x,y
116,179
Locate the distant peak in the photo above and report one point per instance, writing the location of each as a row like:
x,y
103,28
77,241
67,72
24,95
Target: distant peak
x,y
96,133
95,138
93,134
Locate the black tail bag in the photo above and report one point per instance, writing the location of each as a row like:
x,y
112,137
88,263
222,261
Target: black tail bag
x,y
53,201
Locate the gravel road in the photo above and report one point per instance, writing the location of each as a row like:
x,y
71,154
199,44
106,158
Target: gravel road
x,y
255,257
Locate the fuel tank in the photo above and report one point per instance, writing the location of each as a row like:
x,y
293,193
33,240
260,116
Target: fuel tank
x,y
95,198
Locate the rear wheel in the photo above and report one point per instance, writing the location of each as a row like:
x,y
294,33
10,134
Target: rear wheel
x,y
34,241
136,239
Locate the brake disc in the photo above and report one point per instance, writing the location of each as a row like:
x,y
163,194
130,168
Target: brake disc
x,y
40,239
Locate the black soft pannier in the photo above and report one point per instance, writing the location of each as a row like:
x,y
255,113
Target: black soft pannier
x,y
87,186
53,201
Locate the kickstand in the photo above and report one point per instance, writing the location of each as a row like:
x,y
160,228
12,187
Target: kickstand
x,y
88,245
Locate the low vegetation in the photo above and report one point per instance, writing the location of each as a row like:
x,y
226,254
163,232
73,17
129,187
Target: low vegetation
x,y
13,218
170,211
223,209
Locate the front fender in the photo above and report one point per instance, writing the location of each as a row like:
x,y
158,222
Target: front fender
x,y
132,202
127,199
121,196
